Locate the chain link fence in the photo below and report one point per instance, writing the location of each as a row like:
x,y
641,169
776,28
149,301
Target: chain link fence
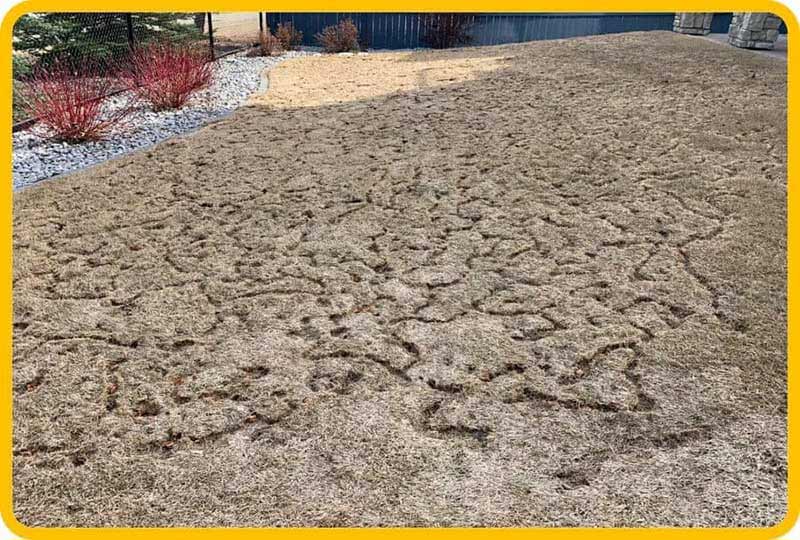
x,y
103,42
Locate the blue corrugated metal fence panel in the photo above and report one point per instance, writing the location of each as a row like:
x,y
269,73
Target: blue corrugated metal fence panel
x,y
405,31
720,23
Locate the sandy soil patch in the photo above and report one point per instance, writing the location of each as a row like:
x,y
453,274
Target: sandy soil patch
x,y
550,292
328,80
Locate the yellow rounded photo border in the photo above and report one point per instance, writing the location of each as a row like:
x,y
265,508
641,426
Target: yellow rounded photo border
x,y
508,6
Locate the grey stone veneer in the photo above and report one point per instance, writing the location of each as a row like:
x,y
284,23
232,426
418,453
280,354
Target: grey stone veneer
x,y
693,23
754,30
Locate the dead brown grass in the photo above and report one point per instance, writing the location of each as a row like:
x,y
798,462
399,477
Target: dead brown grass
x,y
529,295
365,76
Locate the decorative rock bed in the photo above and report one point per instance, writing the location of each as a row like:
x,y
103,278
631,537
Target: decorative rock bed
x,y
237,77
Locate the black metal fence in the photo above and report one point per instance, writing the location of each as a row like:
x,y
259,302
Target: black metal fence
x,y
103,38
105,41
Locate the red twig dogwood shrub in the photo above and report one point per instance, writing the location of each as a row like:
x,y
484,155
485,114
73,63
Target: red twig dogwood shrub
x,y
69,102
166,75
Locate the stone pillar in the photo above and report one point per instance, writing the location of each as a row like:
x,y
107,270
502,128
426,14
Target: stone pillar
x,y
693,23
754,30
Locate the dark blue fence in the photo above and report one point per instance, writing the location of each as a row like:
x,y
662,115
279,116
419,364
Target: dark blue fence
x,y
405,30
720,23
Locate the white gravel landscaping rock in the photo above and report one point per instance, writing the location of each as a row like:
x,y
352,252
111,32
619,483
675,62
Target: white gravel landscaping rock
x,y
235,79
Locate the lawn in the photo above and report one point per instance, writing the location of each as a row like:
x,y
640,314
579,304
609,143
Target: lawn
x,y
537,284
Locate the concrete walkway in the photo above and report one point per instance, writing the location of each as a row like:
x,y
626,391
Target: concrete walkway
x,y
779,51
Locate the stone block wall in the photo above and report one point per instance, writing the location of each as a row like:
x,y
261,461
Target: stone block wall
x,y
692,23
754,30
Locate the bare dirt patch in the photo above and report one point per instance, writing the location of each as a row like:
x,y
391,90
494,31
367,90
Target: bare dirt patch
x,y
547,293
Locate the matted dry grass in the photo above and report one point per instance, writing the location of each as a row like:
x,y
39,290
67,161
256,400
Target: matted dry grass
x,y
546,290
330,80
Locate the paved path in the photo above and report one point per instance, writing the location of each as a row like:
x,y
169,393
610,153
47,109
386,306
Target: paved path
x,y
778,52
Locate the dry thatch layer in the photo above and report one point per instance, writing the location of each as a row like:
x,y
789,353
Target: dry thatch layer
x,y
546,289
